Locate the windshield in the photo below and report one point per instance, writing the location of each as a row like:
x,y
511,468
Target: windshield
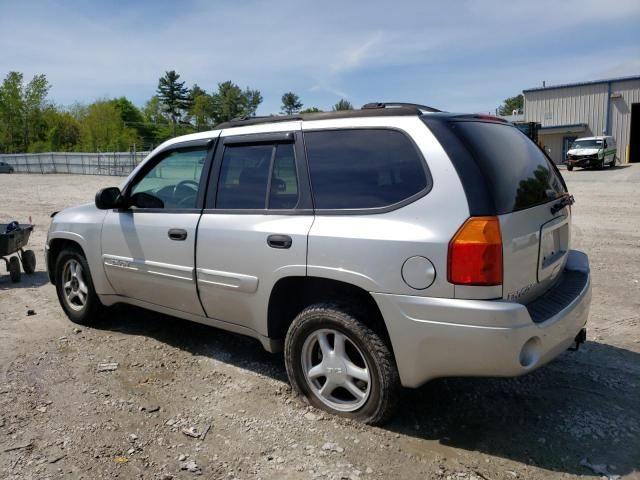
x,y
586,144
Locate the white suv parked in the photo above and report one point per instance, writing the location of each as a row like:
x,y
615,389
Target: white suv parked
x,y
381,247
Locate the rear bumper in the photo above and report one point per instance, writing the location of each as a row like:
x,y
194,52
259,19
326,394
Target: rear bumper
x,y
437,337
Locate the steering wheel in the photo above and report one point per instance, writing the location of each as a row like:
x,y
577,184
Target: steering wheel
x,y
185,183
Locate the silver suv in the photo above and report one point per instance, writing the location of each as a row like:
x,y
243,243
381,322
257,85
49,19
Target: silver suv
x,y
380,247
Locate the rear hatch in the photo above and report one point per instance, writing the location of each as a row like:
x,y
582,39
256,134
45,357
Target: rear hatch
x,y
506,175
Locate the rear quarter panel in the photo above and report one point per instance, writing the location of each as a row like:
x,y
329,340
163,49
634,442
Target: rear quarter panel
x,y
368,250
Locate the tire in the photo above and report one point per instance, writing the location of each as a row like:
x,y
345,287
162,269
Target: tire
x,y
28,262
613,163
570,167
14,269
363,349
77,297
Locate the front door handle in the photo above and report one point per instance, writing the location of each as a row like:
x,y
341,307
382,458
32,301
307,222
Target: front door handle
x,y
279,241
177,234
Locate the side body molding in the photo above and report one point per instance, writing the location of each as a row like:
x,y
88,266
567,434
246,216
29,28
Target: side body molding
x,y
233,281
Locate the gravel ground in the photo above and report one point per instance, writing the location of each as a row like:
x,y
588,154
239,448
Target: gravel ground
x,y
61,417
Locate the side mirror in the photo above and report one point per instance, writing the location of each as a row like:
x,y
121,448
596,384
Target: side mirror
x,y
146,200
108,198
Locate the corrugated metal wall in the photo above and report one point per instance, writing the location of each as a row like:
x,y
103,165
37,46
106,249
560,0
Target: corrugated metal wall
x,y
621,114
585,104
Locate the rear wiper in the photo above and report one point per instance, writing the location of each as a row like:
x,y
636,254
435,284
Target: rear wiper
x,y
564,201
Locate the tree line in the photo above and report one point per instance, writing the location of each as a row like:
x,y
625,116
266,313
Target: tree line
x,y
30,123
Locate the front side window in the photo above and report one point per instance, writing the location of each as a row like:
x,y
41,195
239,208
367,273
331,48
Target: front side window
x,y
258,177
363,168
175,180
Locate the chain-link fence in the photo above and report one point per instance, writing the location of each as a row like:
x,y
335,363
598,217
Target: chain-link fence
x,y
117,163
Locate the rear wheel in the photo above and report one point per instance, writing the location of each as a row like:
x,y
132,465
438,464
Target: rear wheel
x,y
569,167
340,365
29,261
613,162
74,287
14,269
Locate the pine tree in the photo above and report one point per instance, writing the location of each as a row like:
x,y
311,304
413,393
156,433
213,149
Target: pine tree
x,y
174,96
291,103
342,105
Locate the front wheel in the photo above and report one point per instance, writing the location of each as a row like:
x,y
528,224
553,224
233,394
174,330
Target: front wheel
x,y
569,167
340,365
74,287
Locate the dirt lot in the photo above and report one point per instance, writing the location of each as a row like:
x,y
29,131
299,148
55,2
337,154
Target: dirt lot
x,y
59,417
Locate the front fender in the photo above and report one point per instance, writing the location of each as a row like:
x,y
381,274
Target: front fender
x,y
81,226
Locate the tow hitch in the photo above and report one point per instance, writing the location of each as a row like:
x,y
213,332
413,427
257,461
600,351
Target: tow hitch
x,y
581,337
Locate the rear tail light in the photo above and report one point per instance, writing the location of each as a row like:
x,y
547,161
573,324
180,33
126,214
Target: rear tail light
x,y
475,253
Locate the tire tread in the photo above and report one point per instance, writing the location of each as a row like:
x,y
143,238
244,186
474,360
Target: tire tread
x,y
347,316
94,308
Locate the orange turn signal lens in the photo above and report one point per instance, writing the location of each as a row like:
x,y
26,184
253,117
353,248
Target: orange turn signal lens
x,y
475,253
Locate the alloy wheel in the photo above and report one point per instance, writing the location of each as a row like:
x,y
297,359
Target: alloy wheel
x,y
336,370
74,287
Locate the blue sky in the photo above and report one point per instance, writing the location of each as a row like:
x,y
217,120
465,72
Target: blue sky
x,y
455,55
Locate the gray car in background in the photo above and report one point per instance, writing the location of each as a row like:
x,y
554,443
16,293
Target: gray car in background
x,y
379,248
5,168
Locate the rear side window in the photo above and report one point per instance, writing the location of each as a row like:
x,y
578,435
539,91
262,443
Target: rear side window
x,y
284,180
517,172
244,177
363,168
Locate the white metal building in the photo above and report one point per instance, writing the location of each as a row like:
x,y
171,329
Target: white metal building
x,y
602,107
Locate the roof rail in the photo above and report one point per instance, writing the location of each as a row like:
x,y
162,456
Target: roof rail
x,y
246,120
417,106
388,109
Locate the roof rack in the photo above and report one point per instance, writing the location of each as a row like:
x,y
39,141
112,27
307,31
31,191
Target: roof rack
x,y
246,120
417,106
368,110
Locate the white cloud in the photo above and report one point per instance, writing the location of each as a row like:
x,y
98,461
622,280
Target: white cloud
x,y
316,47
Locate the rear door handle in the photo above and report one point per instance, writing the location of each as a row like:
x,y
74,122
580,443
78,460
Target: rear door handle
x,y
279,241
177,234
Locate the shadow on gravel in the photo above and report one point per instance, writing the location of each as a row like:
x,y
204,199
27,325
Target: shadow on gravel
x,y
195,338
583,405
36,279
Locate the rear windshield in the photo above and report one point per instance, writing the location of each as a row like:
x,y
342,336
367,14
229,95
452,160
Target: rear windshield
x,y
517,173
